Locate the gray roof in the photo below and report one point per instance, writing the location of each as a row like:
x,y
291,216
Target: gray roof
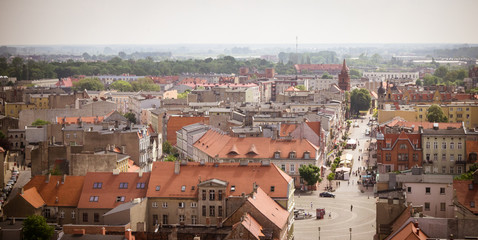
x,y
91,237
457,131
120,208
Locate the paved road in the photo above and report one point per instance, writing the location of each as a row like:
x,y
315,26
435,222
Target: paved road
x,y
22,180
362,217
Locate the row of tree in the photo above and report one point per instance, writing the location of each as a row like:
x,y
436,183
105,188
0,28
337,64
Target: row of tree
x,y
94,84
444,76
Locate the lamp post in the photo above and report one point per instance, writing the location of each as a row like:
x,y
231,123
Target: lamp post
x,y
319,233
350,230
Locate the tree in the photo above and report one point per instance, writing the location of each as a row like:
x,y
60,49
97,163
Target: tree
x,y
131,117
145,84
310,173
167,147
36,228
435,114
93,84
40,122
441,72
184,95
355,73
331,177
419,82
301,87
170,158
326,75
122,86
360,100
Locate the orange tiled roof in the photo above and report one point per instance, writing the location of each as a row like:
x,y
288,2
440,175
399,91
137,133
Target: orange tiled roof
x,y
132,167
409,232
398,223
33,197
464,195
251,225
110,189
56,193
242,177
175,123
315,126
74,120
269,208
215,144
286,129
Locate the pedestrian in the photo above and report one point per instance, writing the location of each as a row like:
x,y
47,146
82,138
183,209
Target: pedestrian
x,y
330,214
349,182
311,205
351,207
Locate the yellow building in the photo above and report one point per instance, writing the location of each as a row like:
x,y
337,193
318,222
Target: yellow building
x,y
14,109
39,100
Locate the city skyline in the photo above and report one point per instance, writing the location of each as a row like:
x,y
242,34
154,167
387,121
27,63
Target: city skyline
x,y
55,22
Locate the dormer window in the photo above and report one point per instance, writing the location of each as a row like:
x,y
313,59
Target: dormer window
x,y
183,188
158,188
292,154
97,185
277,155
123,185
233,188
272,188
94,199
140,185
120,199
306,155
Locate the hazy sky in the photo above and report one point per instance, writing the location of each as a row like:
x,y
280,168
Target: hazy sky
x,y
236,21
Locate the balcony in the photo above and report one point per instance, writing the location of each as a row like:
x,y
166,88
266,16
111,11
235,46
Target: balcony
x,y
460,162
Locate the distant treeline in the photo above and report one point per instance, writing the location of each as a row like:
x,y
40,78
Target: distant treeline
x,y
463,52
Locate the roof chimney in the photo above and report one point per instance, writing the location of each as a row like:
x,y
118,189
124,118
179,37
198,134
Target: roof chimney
x,y
140,173
48,178
177,166
418,231
103,231
127,234
116,171
63,179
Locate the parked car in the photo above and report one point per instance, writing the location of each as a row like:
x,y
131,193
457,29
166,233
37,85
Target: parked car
x,y
326,194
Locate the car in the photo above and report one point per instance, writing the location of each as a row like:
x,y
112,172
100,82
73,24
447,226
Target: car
x,y
326,194
10,183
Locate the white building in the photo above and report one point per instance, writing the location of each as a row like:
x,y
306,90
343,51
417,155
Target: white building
x,y
383,76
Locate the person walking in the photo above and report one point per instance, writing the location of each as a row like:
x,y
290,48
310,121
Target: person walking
x,y
351,207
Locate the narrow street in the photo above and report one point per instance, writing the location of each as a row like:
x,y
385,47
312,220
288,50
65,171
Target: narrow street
x,y
344,222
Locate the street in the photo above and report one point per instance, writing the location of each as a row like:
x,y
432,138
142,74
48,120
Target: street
x,y
360,219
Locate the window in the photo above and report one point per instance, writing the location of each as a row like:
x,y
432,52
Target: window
x,y
276,155
442,206
85,217
443,169
233,188
415,157
409,189
427,145
212,211
282,167
219,195
183,188
472,204
427,156
212,195
435,145
452,170
96,217
459,115
194,219
120,199
165,219
203,194
123,185
443,145
158,188
67,135
459,170
403,146
194,204
272,188
74,135
442,190
427,190
219,211
203,211
435,156
402,157
72,214
165,205
427,206
181,204
97,185
182,218
155,219
292,155
459,157
459,145
292,168
443,157
154,204
62,214
307,155
452,157
94,199
452,145
388,157
140,185
46,213
451,115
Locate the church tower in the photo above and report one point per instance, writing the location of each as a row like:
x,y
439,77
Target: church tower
x,y
344,78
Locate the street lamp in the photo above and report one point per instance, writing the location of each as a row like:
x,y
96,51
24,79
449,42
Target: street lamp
x,y
350,230
319,233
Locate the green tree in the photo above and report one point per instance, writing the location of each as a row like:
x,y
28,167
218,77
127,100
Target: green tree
x,y
419,82
301,87
170,158
331,177
145,84
441,71
122,86
36,228
40,122
167,147
310,173
435,114
326,75
184,95
360,100
354,73
93,84
131,117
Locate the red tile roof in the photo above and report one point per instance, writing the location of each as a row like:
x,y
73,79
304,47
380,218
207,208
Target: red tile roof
x,y
251,225
75,120
33,197
175,123
55,192
464,195
215,144
409,232
242,177
269,208
286,129
132,167
315,126
110,189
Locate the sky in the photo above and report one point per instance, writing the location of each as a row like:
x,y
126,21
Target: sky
x,y
90,22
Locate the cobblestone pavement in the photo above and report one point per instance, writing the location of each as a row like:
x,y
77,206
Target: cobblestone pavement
x,y
361,218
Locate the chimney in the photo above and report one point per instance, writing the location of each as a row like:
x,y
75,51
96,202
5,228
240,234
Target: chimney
x,y
116,171
103,231
21,191
418,231
254,187
127,234
176,167
140,173
123,149
48,178
57,183
116,124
